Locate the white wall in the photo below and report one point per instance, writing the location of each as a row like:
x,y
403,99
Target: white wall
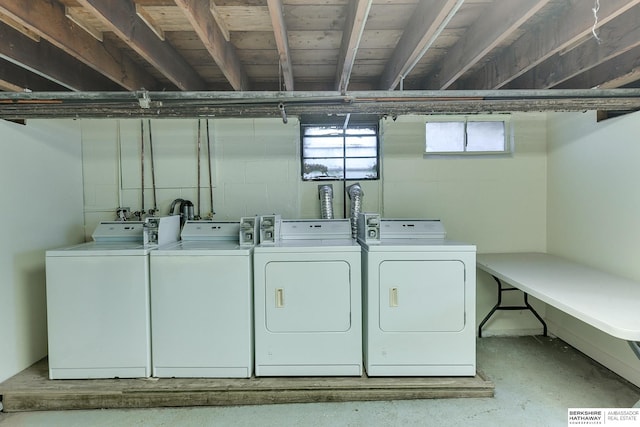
x,y
41,208
255,169
594,216
497,203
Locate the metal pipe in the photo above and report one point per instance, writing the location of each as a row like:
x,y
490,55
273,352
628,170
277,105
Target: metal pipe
x,y
153,172
198,151
209,162
142,161
173,205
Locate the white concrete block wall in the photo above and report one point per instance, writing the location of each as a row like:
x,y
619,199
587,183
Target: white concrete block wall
x,y
40,209
594,216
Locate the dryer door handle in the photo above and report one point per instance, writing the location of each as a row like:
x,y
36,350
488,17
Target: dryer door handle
x,y
393,297
279,297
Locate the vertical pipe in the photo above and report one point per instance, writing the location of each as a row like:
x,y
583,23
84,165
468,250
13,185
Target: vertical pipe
x,y
209,161
142,161
119,148
153,171
198,196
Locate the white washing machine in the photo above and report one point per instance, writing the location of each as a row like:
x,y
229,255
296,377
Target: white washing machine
x,y
419,299
308,315
201,302
98,303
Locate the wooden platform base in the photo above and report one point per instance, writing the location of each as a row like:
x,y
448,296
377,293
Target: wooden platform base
x,y
31,390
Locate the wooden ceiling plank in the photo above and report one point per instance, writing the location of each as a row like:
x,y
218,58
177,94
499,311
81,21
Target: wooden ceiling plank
x,y
120,16
50,62
497,24
422,30
47,19
21,28
222,51
617,37
282,41
553,36
73,15
151,23
357,14
217,16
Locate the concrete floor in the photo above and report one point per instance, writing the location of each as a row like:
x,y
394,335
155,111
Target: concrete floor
x,y
537,379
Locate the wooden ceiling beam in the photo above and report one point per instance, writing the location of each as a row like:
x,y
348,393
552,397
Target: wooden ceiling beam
x,y
282,41
616,73
17,79
494,26
617,37
121,17
357,14
553,36
222,51
425,25
50,62
48,20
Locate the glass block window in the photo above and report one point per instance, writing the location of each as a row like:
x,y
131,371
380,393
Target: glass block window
x,y
332,152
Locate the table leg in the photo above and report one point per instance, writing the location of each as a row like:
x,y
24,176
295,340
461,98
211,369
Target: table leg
x,y
498,306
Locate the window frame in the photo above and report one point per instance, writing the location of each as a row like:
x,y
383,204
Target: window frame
x,y
508,135
340,132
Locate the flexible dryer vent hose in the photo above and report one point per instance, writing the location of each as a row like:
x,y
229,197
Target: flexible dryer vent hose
x,y
355,194
325,193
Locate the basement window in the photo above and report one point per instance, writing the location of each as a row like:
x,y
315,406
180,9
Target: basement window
x,y
467,136
340,151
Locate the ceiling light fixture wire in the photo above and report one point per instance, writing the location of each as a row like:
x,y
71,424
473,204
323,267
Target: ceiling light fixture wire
x,y
595,10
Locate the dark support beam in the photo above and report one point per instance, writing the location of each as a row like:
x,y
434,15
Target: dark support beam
x,y
282,41
267,104
357,13
426,23
617,37
494,26
553,36
198,13
121,17
50,62
48,20
616,73
16,79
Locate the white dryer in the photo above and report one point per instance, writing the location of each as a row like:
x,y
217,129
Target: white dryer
x,y
98,303
201,302
419,299
308,315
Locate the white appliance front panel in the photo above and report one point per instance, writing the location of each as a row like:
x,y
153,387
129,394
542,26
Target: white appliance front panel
x,y
202,315
446,351
308,296
422,296
98,316
308,352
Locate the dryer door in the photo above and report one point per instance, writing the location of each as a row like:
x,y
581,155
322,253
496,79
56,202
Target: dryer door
x,y
422,296
308,296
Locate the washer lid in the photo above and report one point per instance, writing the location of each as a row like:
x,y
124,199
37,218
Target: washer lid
x,y
311,245
203,247
418,245
102,249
